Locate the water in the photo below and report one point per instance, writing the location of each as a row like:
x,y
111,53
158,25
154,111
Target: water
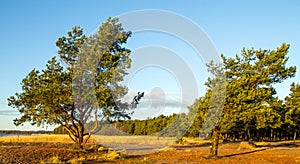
x,y
4,135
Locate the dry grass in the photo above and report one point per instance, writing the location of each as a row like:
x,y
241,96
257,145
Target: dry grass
x,y
104,140
47,138
147,140
144,140
167,149
194,141
246,145
261,144
109,156
52,160
278,152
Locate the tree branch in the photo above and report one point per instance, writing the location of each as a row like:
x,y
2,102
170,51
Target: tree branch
x,y
88,112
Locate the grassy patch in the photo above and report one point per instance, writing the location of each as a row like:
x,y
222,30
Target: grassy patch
x,y
147,140
52,160
37,138
194,141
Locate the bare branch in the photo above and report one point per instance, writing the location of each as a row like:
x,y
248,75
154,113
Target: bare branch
x,y
88,112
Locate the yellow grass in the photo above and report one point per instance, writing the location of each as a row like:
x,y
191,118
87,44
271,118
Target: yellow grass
x,y
261,144
246,145
54,138
148,140
167,149
49,138
194,141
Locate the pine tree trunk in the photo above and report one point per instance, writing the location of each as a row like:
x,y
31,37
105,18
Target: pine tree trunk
x,y
272,135
80,137
295,136
215,142
248,134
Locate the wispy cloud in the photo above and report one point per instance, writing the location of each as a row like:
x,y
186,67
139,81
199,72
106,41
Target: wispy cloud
x,y
9,112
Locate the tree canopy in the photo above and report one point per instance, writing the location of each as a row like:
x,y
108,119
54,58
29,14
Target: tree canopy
x,y
250,102
293,108
83,86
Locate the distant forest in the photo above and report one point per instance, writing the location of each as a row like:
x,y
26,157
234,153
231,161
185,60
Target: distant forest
x,y
161,126
24,132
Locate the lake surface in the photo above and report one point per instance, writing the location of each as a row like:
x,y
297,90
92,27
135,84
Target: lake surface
x,y
3,135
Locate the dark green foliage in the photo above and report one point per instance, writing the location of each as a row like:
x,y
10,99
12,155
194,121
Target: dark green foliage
x,y
293,108
150,126
171,126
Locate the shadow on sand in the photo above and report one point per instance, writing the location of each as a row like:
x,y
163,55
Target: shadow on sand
x,y
266,147
260,148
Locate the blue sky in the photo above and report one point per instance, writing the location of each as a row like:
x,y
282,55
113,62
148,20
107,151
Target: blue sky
x,y
29,30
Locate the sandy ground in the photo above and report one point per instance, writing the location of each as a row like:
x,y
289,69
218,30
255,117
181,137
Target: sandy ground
x,y
275,152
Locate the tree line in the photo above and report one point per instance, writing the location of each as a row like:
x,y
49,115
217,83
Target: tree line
x,y
243,88
22,132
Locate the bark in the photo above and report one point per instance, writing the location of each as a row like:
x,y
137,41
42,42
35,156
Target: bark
x,y
248,134
295,136
215,142
272,135
80,139
77,135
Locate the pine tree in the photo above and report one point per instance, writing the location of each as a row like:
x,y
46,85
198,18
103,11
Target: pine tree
x,y
87,86
293,108
249,102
